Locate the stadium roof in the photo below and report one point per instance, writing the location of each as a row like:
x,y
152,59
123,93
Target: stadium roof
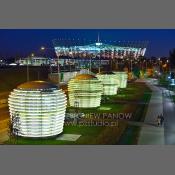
x,y
99,46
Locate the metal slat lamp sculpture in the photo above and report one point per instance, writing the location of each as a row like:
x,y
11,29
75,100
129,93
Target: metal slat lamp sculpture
x,y
109,81
86,90
123,78
40,107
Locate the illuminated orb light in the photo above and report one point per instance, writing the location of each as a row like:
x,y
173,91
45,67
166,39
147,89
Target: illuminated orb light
x,y
123,78
110,85
40,108
85,91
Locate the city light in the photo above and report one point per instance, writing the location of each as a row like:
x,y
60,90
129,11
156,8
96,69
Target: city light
x,y
32,54
42,48
98,44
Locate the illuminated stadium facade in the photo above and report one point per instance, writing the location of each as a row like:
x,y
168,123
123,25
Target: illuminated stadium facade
x,y
100,50
98,54
85,91
110,84
40,108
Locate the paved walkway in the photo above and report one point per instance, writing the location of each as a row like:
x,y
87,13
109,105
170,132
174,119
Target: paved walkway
x,y
169,111
150,133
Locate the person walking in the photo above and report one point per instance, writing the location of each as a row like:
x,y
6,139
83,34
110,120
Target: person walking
x,y
158,120
161,119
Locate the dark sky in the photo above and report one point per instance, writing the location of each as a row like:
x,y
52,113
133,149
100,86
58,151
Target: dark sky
x,y
23,42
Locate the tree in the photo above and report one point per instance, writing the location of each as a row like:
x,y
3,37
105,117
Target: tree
x,y
172,58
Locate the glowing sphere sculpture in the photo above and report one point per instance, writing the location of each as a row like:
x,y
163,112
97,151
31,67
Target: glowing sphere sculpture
x,y
123,78
110,84
85,91
39,107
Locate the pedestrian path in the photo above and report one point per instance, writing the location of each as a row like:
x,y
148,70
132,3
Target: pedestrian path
x,y
151,134
169,111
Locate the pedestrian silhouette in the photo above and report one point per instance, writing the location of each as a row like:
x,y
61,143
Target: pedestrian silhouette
x,y
158,120
161,119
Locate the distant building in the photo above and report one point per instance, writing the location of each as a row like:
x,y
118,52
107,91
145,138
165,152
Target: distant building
x,y
100,53
100,50
34,61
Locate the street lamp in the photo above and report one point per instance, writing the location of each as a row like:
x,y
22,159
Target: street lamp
x,y
32,55
58,66
43,48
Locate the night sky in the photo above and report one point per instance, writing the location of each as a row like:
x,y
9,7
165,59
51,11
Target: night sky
x,y
24,42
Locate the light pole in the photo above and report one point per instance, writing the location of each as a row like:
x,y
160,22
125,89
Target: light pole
x,y
99,66
43,49
30,57
90,64
131,64
27,71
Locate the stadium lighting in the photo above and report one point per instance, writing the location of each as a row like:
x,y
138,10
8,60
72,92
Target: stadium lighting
x,y
98,48
98,44
43,48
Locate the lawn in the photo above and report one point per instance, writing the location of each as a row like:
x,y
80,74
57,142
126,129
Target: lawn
x,y
104,108
87,134
173,98
131,134
11,77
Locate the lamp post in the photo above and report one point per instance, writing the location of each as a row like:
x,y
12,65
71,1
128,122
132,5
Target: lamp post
x,y
90,66
131,64
27,71
30,57
43,49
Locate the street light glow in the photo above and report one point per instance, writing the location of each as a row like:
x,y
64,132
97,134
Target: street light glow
x,y
42,48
